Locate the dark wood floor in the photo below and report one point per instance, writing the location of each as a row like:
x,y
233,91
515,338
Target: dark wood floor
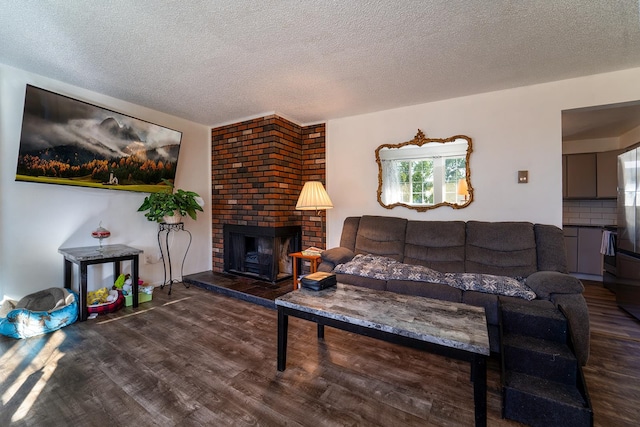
x,y
203,358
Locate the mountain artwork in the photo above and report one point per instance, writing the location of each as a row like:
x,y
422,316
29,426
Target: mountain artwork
x,y
70,142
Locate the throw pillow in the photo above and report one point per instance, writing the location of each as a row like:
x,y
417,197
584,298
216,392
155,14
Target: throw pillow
x,y
338,255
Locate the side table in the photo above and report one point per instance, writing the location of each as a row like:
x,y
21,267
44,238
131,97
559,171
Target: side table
x,y
167,229
297,256
89,255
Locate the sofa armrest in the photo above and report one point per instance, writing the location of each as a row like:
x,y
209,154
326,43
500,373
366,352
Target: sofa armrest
x,y
574,307
546,283
334,256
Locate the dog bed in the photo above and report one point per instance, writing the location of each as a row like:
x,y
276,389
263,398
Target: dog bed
x,y
107,307
39,313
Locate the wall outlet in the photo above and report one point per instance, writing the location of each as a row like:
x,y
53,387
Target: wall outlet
x,y
152,258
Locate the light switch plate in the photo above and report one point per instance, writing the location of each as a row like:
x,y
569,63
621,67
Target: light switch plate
x,y
523,177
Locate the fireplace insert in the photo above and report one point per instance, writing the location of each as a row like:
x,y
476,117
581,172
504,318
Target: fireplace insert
x,y
261,252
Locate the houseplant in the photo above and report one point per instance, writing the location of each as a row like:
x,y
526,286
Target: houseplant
x,y
170,205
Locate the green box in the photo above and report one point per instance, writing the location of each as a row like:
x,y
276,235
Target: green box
x,y
142,297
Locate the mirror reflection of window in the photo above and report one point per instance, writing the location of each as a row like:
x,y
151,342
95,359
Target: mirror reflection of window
x,y
425,173
455,171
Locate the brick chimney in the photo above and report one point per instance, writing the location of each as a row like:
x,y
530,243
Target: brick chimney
x,y
258,169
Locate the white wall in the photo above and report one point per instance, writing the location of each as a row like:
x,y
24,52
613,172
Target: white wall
x,y
37,219
516,129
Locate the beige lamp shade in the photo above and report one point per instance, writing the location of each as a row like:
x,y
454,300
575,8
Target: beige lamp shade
x,y
463,190
313,197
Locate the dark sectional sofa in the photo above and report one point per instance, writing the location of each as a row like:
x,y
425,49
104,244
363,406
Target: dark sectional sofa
x,y
515,249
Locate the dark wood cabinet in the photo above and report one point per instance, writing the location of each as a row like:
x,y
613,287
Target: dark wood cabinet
x,y
590,175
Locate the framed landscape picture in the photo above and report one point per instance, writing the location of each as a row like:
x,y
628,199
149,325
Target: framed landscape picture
x,y
70,142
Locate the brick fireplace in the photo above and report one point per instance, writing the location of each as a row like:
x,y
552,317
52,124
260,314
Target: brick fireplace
x,y
258,169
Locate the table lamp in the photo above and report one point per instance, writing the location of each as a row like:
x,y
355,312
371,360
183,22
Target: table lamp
x,y
463,189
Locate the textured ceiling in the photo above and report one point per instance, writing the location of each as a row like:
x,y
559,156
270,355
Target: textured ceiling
x,y
215,62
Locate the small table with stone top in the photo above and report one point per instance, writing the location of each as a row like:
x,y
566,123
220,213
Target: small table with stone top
x,y
451,329
88,255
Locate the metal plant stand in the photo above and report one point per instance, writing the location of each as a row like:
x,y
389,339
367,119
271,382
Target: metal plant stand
x,y
167,229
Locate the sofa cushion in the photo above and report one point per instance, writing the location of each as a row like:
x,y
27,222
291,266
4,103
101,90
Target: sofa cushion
x,y
349,232
501,248
488,301
380,235
436,244
365,282
545,283
550,248
538,303
425,289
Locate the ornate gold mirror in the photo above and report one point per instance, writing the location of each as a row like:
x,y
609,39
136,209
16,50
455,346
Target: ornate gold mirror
x,y
425,173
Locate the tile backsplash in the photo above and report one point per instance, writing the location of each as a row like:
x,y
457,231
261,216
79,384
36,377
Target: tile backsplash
x,y
589,212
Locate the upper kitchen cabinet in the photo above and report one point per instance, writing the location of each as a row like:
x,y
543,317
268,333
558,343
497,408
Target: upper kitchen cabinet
x,y
607,175
581,173
590,175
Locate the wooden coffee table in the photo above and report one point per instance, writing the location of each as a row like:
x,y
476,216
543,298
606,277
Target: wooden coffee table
x,y
447,328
